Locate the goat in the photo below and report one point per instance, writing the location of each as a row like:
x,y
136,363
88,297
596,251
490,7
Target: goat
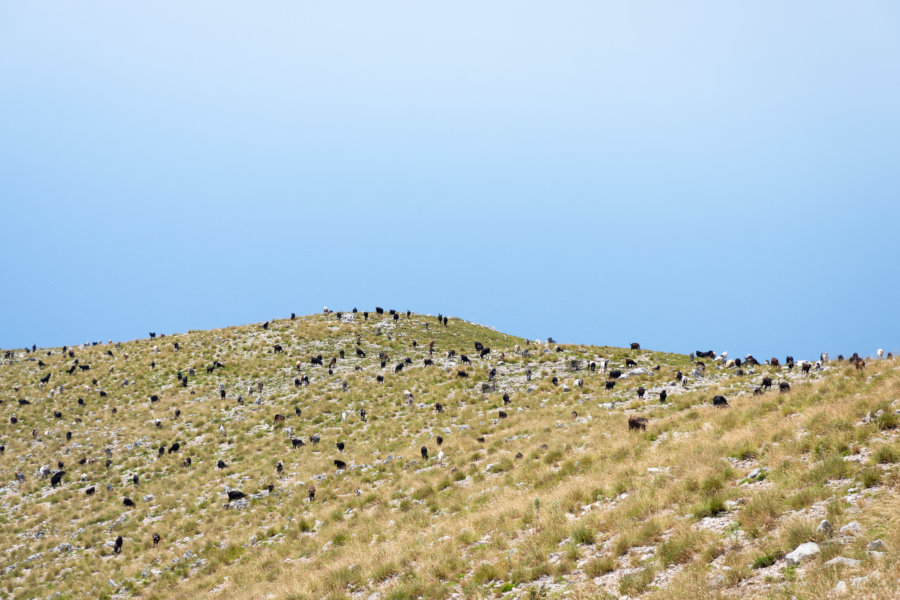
x,y
637,423
610,385
784,386
117,545
424,451
635,346
156,539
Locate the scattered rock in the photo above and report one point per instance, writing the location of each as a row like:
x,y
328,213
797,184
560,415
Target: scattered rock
x,y
876,546
825,528
803,553
842,561
851,528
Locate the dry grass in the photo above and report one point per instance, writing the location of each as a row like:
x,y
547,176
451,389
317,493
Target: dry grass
x,y
547,503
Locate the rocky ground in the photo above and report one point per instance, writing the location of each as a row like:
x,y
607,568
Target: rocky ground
x,y
546,493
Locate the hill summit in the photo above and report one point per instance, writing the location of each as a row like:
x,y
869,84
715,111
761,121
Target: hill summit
x,y
386,455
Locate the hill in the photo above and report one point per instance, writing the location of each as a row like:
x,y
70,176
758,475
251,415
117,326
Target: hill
x,y
545,494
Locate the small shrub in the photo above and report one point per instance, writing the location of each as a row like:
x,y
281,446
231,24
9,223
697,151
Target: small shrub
x,y
886,455
709,507
599,565
888,420
582,535
636,583
870,477
766,560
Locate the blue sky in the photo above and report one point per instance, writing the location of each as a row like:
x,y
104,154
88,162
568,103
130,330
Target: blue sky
x,y
688,175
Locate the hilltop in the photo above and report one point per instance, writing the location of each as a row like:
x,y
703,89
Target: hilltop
x,y
538,489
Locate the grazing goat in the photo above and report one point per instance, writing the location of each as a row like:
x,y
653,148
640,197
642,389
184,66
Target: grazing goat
x,y
784,386
117,545
720,401
637,423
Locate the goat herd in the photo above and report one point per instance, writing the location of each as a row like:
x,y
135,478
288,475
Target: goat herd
x,y
481,351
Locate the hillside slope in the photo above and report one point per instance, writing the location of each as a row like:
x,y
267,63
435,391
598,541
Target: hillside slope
x,y
555,497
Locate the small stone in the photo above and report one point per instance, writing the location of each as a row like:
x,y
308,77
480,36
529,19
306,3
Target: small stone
x,y
802,553
843,561
825,528
877,546
851,528
840,589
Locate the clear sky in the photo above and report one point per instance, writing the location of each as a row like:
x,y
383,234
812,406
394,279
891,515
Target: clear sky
x,y
688,175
